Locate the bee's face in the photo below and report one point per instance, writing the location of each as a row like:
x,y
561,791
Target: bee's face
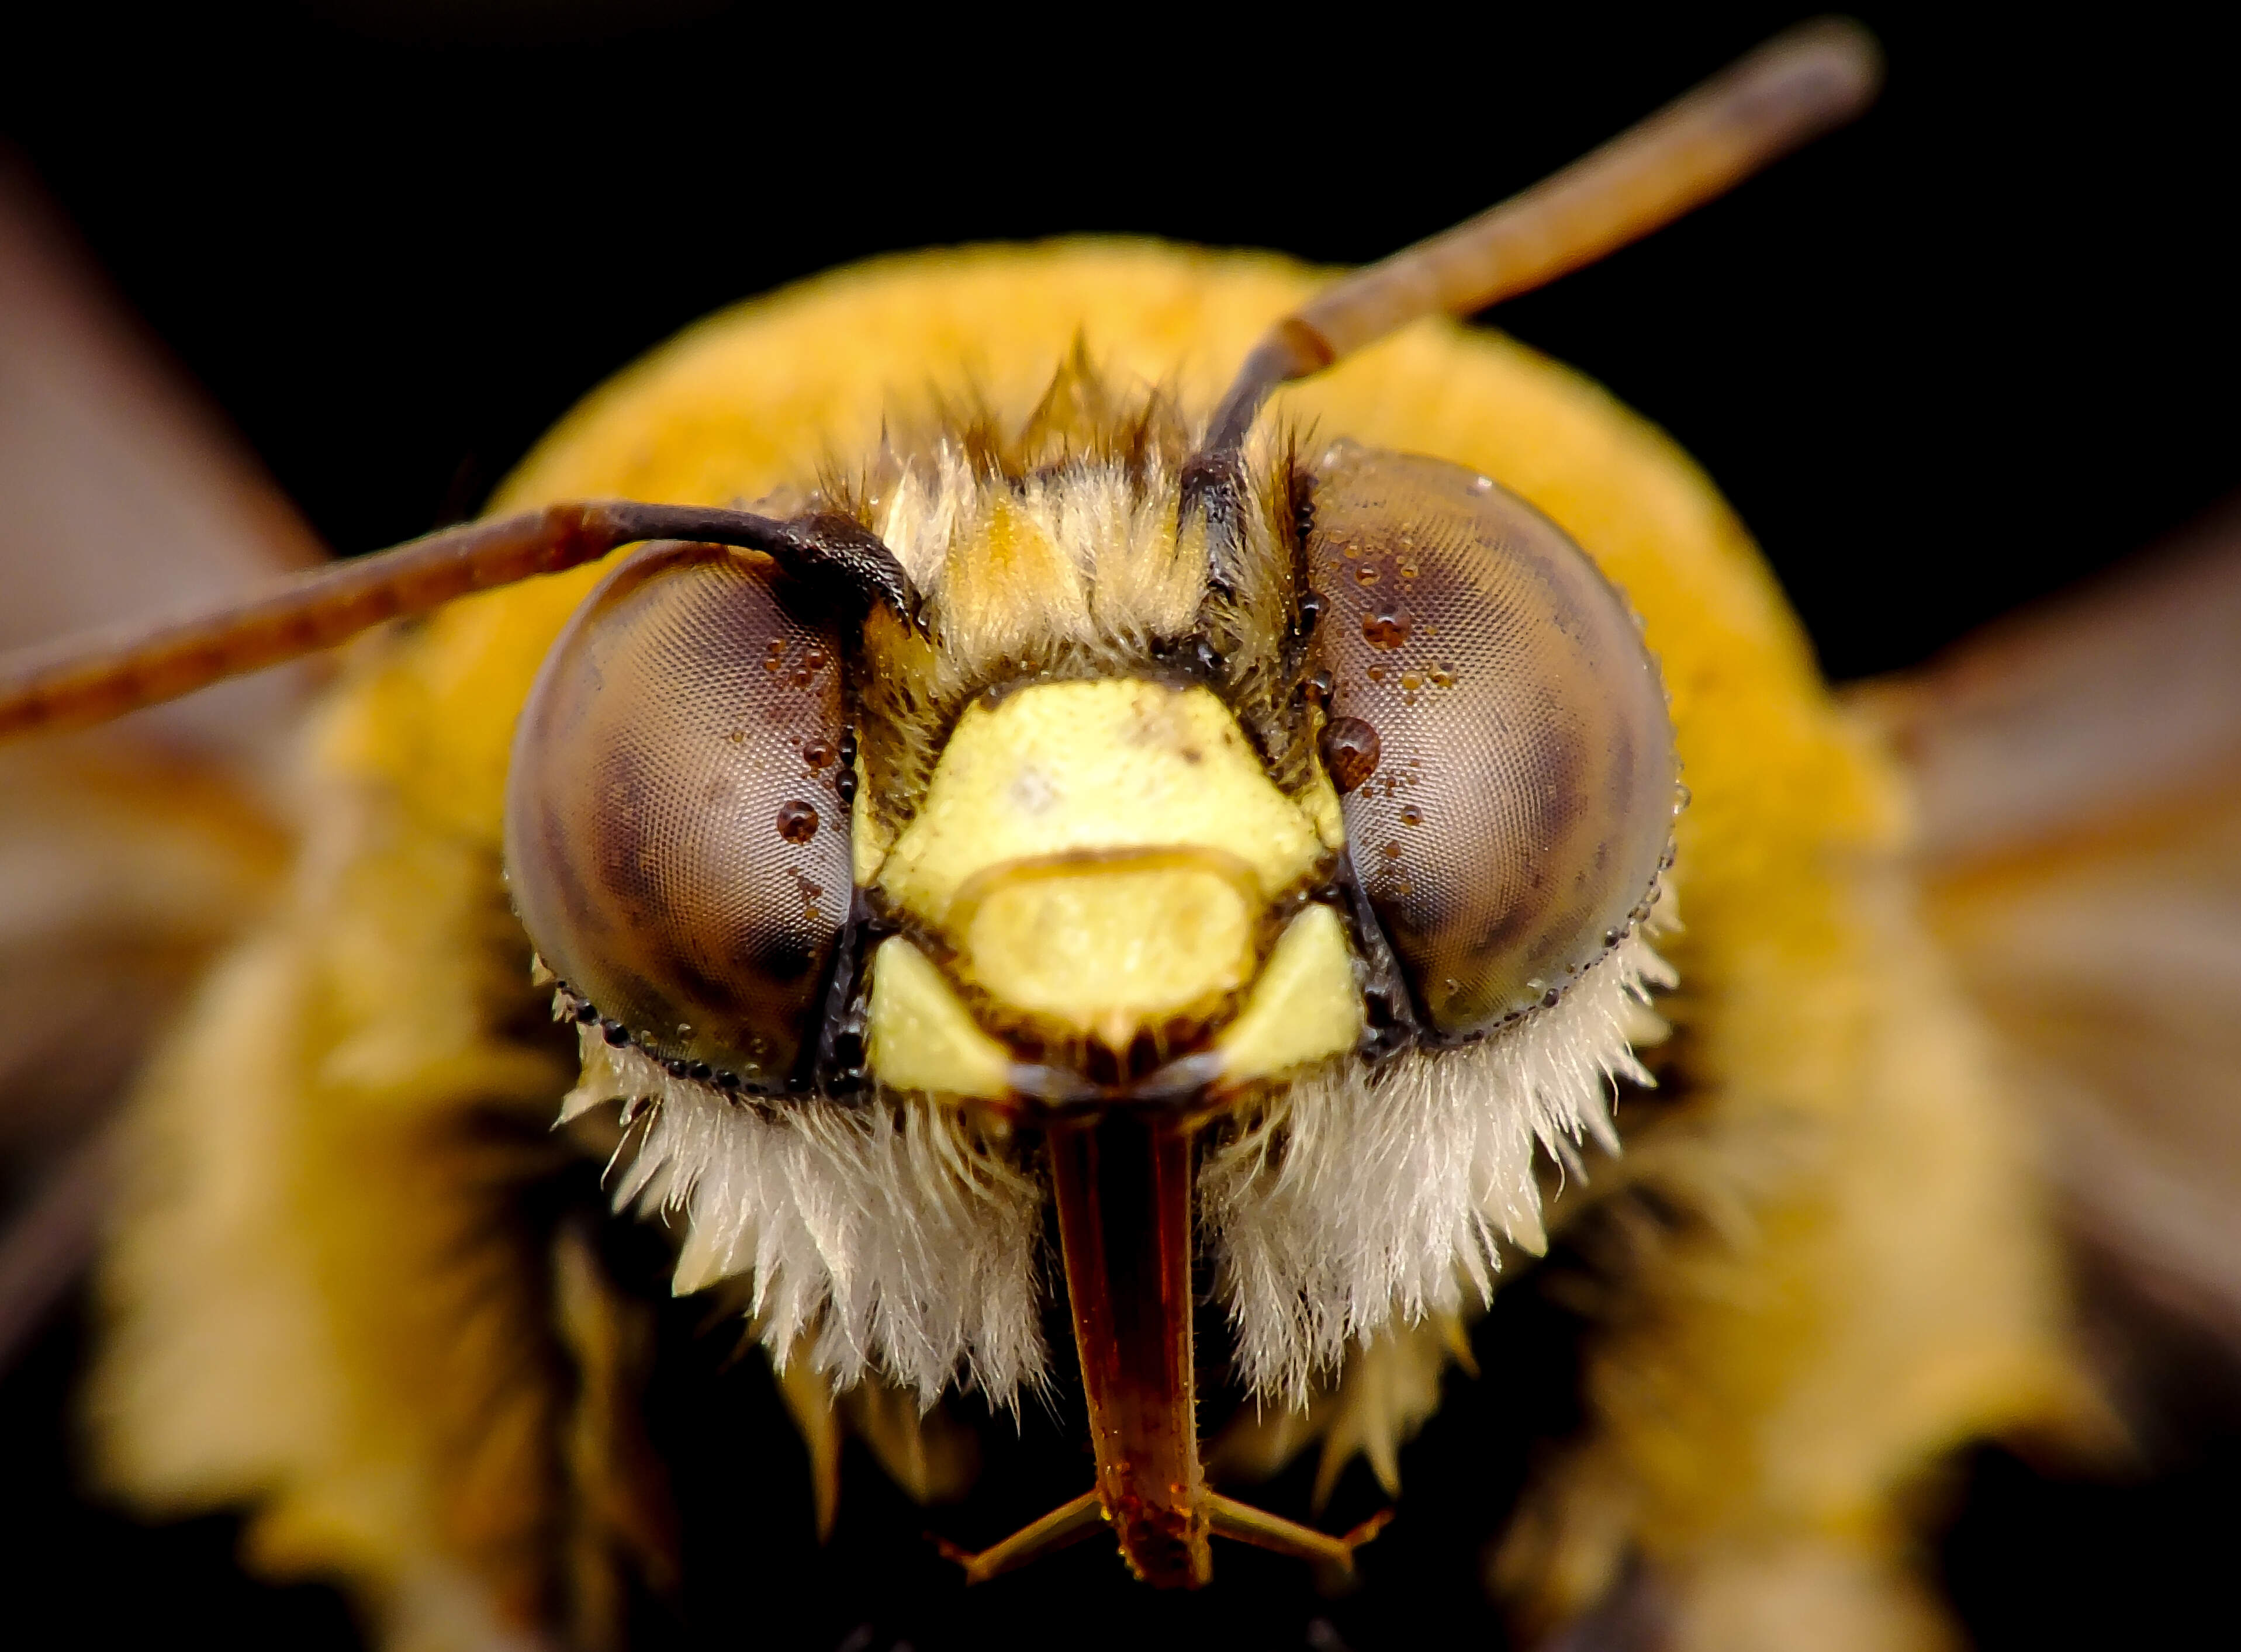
x,y
1086,840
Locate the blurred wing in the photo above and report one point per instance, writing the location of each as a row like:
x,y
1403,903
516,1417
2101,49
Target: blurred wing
x,y
129,853
2078,772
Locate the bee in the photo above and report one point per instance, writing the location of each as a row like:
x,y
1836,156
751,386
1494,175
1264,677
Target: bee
x,y
1083,896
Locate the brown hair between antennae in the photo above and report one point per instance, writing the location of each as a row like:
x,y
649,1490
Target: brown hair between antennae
x,y
92,680
1804,81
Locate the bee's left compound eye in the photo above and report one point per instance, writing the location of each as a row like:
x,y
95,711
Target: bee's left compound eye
x,y
1498,733
675,828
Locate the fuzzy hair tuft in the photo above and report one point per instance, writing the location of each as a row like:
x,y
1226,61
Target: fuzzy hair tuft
x,y
1361,1196
1050,551
890,1235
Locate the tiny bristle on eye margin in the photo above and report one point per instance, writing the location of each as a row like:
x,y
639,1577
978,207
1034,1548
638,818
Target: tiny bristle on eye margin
x,y
1348,1206
889,1234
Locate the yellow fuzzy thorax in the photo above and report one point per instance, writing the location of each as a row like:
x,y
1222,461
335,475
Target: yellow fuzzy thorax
x,y
1893,1296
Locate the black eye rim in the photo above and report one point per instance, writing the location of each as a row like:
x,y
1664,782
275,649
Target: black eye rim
x,y
834,1062
1393,1021
830,1065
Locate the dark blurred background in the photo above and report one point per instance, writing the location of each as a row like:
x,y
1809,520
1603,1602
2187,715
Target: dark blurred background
x,y
1950,360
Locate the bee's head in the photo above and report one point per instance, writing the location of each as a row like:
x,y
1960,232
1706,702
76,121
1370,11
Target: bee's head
x,y
1157,803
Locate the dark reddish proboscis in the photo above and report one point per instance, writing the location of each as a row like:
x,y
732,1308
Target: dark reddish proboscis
x,y
674,835
1520,797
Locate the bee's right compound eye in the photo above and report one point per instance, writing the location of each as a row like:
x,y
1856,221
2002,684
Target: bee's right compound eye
x,y
675,831
1497,732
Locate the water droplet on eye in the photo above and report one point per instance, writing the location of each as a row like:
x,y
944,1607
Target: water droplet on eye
x,y
815,659
1386,629
1441,677
817,754
1482,485
1376,673
1407,568
1412,816
1366,574
797,821
1410,681
1391,850
1350,752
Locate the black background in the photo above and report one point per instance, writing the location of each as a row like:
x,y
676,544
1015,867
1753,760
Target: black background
x,y
1949,360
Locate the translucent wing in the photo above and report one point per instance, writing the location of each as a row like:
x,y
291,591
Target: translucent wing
x,y
2078,770
126,853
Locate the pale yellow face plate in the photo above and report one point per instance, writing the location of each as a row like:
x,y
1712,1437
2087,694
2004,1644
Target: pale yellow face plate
x,y
1071,768
1095,859
1102,946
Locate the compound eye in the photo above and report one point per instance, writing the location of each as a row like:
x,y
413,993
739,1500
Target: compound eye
x,y
674,830
1497,732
